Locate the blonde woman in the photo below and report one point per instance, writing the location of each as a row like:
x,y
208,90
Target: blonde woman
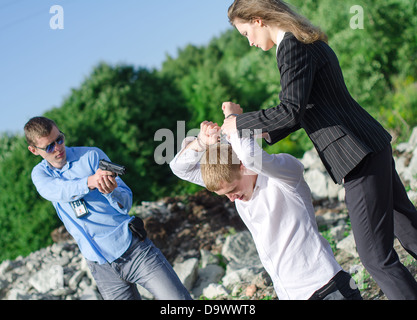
x,y
353,146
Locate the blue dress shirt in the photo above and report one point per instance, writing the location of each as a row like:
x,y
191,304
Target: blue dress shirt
x,y
102,235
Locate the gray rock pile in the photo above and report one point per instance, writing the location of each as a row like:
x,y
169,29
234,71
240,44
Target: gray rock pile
x,y
58,272
205,240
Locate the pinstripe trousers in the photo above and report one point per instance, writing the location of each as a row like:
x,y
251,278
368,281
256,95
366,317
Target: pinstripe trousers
x,y
379,209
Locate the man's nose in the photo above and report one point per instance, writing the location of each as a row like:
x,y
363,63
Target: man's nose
x,y
58,147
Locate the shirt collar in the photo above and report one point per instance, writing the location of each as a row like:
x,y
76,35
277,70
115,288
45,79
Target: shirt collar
x,y
280,37
70,155
70,158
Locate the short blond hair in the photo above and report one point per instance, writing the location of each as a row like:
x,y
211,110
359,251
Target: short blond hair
x,y
219,164
38,127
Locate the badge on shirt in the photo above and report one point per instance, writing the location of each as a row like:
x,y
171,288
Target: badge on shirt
x,y
79,208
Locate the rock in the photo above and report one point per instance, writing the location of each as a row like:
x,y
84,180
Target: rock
x,y
207,258
215,290
412,167
412,195
338,232
410,145
145,294
187,271
75,279
60,235
18,294
48,279
262,280
52,273
311,161
413,139
90,293
317,181
341,195
3,286
244,263
348,245
6,266
241,275
333,189
206,276
330,218
240,249
83,266
251,290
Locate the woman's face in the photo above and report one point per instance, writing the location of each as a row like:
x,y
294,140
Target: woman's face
x,y
258,34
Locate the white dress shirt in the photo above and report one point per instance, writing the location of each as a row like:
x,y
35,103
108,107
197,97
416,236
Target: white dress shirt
x,y
280,217
280,37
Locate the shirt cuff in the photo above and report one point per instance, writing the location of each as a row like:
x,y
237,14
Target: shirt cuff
x,y
82,189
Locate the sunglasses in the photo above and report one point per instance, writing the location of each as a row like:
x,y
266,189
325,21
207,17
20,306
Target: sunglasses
x,y
50,148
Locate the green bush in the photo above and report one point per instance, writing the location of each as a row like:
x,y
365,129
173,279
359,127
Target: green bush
x,y
119,109
26,220
399,114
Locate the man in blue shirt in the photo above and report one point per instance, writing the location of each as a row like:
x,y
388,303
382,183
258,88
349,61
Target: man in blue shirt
x,y
93,205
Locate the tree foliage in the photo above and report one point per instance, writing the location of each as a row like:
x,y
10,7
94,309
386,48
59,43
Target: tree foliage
x,y
119,109
25,219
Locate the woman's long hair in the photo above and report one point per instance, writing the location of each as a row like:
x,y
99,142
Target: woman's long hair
x,y
278,13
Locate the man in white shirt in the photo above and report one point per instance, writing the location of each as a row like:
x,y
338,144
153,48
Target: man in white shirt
x,y
274,201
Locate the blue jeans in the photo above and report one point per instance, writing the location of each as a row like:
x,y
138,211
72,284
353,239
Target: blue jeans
x,y
142,264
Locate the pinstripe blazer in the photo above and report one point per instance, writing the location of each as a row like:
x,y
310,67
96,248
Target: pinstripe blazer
x,y
314,97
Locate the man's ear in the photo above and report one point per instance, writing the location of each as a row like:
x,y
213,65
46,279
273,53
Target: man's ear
x,y
33,150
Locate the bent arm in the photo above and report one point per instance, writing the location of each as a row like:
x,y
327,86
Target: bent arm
x,y
186,164
297,67
59,189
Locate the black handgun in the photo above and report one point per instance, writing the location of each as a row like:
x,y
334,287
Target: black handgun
x,y
112,167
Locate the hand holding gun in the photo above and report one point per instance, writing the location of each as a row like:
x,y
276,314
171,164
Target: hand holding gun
x,y
105,178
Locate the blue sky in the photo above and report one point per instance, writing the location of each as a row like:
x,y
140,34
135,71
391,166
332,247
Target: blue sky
x,y
40,65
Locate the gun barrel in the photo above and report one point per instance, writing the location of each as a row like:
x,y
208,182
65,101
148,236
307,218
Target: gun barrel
x,y
113,167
